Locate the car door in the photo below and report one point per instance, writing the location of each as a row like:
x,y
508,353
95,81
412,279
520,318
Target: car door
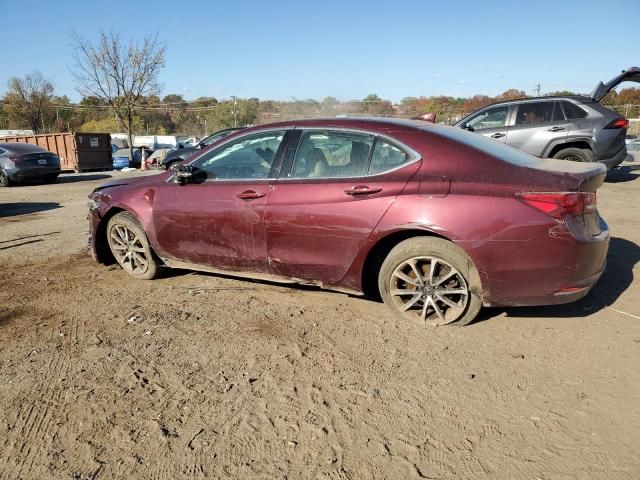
x,y
538,126
333,190
491,122
217,219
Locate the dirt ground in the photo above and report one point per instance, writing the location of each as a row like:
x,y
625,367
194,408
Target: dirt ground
x,y
202,376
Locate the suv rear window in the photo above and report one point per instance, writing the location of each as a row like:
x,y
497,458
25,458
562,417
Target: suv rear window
x,y
573,111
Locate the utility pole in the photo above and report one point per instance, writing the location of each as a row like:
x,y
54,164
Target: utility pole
x,y
537,89
235,118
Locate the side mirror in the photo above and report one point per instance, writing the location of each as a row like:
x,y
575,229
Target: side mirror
x,y
468,127
182,174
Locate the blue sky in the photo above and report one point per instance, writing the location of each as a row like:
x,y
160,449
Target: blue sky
x,y
346,49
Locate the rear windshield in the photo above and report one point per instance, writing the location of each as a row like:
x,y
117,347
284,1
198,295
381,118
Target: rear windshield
x,y
22,148
486,145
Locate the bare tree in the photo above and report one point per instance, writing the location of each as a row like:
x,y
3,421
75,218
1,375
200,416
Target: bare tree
x,y
119,74
28,100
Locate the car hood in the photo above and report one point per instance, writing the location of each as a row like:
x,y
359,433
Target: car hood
x,y
632,74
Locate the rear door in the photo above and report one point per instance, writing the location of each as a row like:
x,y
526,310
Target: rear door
x,y
538,125
333,190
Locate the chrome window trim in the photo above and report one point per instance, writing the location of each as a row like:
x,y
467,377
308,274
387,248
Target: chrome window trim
x,y
414,156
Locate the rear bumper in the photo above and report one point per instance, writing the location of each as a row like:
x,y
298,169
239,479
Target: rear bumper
x,y
24,174
554,269
616,160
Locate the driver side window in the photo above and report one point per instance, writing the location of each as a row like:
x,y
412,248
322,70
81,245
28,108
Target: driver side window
x,y
495,117
248,157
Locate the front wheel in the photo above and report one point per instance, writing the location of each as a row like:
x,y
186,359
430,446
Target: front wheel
x,y
429,279
130,247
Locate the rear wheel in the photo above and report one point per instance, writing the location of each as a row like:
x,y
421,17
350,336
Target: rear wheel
x,y
130,247
429,279
575,154
4,179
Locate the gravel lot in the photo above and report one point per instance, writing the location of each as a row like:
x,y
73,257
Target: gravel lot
x,y
203,376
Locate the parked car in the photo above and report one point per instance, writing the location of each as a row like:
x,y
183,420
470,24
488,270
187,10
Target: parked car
x,y
184,152
436,220
566,127
26,162
122,159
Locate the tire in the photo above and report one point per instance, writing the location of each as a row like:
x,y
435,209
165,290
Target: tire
x,y
5,181
453,272
172,162
575,154
130,247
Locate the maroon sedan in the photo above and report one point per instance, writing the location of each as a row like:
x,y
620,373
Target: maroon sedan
x,y
436,220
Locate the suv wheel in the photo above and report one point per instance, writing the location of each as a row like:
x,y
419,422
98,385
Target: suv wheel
x,y
575,154
428,279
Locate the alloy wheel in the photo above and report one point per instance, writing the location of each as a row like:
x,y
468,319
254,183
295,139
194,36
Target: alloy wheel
x,y
430,289
128,249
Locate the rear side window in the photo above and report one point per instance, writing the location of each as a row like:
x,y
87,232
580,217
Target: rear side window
x,y
386,157
573,111
331,154
535,112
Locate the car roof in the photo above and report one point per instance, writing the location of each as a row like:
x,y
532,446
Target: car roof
x,y
372,123
15,147
580,98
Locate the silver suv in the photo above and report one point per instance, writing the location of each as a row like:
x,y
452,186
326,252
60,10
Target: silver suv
x,y
572,128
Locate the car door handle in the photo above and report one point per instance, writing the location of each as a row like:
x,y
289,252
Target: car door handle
x,y
361,190
497,135
556,129
249,195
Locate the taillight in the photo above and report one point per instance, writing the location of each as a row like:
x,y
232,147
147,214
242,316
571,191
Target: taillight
x,y
561,204
619,123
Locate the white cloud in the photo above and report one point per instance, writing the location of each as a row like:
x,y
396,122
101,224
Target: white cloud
x,y
463,82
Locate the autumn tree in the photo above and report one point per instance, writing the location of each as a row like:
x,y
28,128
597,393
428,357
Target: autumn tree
x,y
474,103
119,74
28,101
511,94
375,105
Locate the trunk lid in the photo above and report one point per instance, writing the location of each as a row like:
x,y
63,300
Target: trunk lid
x,y
632,74
573,176
31,160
